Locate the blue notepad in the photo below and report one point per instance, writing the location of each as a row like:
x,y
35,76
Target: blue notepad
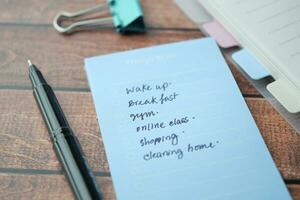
x,y
175,126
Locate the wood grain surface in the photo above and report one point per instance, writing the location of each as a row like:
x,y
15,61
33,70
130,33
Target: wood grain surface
x,y
53,52
29,168
32,147
163,14
44,186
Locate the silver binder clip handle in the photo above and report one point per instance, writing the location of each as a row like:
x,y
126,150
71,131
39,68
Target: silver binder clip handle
x,y
84,24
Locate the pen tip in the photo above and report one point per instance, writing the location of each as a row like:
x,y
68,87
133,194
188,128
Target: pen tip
x,y
29,63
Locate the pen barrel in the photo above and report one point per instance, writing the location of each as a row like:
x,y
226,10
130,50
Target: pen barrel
x,y
84,167
66,145
50,108
71,168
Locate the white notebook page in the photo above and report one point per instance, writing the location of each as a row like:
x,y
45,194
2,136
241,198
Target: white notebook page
x,y
269,28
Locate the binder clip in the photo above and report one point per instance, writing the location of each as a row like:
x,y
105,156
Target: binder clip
x,y
127,17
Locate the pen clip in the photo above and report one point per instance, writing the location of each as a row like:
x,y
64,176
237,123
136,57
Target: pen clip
x,y
84,24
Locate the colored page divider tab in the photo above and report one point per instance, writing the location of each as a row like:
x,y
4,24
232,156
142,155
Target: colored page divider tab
x,y
220,34
286,93
250,64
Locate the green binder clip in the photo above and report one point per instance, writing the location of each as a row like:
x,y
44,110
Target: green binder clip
x,y
127,17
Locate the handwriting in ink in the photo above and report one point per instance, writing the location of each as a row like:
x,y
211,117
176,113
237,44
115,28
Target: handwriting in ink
x,y
142,115
200,147
153,100
150,126
171,144
173,139
176,121
136,89
159,125
163,87
167,153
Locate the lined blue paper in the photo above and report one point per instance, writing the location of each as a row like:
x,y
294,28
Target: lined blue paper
x,y
175,126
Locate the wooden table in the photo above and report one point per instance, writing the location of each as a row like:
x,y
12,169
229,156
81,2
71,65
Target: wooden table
x,y
29,168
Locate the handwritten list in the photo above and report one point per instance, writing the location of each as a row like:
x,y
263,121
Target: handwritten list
x,y
150,122
175,126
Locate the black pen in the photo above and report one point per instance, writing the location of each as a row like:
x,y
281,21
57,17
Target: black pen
x,y
66,145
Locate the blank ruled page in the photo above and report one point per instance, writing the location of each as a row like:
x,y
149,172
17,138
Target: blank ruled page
x,y
269,28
